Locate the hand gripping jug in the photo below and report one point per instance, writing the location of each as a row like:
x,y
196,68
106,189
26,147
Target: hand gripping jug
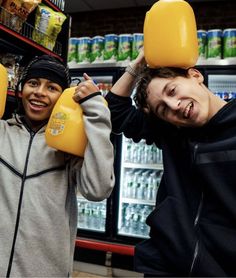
x,y
3,89
170,35
65,129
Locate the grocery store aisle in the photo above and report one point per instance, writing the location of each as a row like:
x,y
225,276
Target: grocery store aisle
x,y
82,269
81,274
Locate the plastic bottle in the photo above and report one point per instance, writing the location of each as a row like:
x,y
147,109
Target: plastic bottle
x,y
170,35
65,128
3,89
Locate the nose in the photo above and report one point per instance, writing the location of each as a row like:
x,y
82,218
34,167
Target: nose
x,y
40,90
173,103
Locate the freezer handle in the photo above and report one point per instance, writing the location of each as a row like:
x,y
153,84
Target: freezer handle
x,y
105,246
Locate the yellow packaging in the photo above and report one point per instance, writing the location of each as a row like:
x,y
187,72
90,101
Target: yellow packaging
x,y
170,35
65,129
3,89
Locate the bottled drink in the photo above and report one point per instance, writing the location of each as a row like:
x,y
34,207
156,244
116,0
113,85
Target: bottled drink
x,y
170,35
102,217
65,129
3,89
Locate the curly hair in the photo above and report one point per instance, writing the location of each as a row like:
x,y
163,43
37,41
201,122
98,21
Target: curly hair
x,y
145,76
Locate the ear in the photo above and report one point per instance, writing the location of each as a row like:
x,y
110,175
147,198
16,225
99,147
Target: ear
x,y
194,73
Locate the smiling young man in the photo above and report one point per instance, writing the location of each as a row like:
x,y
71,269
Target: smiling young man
x,y
193,225
39,184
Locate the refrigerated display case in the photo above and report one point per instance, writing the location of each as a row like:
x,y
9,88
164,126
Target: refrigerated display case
x,y
220,79
94,218
140,174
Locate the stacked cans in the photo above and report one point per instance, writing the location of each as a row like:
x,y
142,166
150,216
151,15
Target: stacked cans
x,y
217,43
108,48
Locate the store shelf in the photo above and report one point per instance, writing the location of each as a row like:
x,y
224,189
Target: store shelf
x,y
53,6
143,166
217,62
206,62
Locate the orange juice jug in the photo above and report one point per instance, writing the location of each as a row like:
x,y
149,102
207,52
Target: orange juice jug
x,y
170,35
65,129
3,89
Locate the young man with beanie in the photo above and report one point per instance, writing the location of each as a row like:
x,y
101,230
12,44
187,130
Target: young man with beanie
x,y
38,184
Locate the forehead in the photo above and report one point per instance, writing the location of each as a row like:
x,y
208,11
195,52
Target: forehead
x,y
157,85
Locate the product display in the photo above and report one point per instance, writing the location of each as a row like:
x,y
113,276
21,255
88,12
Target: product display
x,y
214,44
110,48
48,24
15,12
124,47
97,48
229,43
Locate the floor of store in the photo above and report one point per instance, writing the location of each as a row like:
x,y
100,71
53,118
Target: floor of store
x,y
82,269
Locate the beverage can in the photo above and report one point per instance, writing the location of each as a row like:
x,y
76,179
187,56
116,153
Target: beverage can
x,y
202,43
110,47
72,49
214,43
124,47
97,48
83,50
229,43
137,43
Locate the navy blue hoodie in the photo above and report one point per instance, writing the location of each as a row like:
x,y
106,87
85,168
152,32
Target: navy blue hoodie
x,y
193,226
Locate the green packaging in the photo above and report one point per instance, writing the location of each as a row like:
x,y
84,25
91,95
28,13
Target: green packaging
x,y
229,43
124,47
83,50
137,43
97,48
110,47
72,49
214,43
202,43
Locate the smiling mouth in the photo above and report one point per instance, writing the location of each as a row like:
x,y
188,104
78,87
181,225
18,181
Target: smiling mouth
x,y
37,103
187,110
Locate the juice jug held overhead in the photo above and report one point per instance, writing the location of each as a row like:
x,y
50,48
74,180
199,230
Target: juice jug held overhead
x,y
65,128
170,35
3,89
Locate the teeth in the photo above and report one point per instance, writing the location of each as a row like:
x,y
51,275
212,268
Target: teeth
x,y
38,103
187,109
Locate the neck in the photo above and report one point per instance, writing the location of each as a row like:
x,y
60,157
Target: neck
x,y
34,125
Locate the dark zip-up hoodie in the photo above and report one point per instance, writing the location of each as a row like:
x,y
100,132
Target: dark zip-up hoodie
x,y
193,226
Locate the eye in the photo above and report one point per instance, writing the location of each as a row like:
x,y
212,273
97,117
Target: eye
x,y
172,92
54,88
32,82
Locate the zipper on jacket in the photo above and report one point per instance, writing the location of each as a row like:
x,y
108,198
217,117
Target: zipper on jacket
x,y
196,220
19,206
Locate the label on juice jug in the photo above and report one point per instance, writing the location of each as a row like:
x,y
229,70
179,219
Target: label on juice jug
x,y
124,47
214,43
110,47
97,47
57,123
83,50
229,43
72,49
137,43
202,43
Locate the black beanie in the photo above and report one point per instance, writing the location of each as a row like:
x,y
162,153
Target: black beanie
x,y
47,67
